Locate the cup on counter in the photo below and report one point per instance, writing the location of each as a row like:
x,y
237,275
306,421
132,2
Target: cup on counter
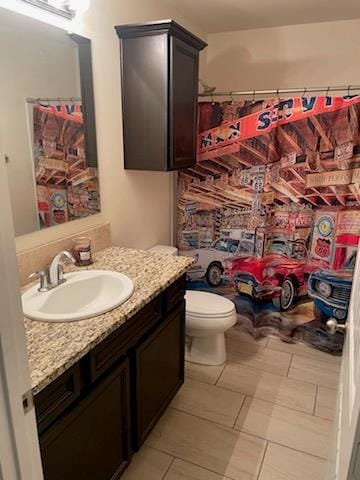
x,y
82,251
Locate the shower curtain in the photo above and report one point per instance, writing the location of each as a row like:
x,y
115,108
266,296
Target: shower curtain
x,y
67,188
271,212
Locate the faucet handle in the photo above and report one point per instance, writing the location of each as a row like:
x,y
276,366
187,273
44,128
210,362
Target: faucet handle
x,y
44,284
61,278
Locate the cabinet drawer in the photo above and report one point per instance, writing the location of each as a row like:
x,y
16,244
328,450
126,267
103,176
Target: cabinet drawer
x,y
54,399
119,342
174,294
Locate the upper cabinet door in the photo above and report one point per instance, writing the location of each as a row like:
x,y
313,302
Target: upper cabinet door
x,y
184,66
159,82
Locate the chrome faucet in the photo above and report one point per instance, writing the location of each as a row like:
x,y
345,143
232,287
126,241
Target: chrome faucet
x,y
44,282
56,275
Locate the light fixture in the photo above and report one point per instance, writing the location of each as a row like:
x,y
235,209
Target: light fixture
x,y
65,8
76,6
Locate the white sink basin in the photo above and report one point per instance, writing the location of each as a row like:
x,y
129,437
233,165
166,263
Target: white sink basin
x,y
85,294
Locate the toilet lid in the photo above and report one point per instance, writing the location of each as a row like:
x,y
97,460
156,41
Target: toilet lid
x,y
207,304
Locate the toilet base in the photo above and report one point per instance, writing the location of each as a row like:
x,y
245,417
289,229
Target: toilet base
x,y
207,350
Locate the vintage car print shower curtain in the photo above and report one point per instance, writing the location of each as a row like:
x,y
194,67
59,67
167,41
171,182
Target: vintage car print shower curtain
x,y
271,212
67,187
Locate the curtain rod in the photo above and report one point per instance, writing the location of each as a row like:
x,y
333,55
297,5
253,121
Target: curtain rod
x,y
281,91
53,99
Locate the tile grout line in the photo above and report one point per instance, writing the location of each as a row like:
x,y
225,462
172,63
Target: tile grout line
x,y
304,355
238,363
245,395
234,361
238,415
316,399
282,445
225,477
185,460
290,363
283,406
168,469
247,433
268,401
226,427
295,370
200,381
263,460
222,371
270,373
268,442
308,356
252,396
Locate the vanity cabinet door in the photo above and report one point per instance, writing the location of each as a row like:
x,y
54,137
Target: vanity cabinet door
x,y
159,365
92,441
183,104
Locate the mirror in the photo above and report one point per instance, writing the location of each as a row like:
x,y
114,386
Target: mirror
x,y
47,123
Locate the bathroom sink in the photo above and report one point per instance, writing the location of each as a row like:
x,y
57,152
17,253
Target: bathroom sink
x,y
84,295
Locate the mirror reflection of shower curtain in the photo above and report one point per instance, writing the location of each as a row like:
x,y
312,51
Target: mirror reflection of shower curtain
x,y
67,188
274,202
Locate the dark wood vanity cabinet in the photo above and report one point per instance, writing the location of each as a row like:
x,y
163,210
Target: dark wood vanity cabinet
x,y
97,413
159,366
92,440
159,77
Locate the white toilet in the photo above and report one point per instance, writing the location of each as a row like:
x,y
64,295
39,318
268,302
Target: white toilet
x,y
208,316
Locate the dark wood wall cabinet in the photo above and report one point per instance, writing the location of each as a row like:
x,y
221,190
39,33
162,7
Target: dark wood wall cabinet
x,y
94,416
159,77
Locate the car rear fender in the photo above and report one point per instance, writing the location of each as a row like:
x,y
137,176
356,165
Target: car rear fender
x,y
294,280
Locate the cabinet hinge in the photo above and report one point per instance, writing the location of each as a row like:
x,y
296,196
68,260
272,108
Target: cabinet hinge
x,y
28,401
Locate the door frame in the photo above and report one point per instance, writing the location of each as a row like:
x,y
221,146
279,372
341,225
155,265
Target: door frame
x,y
20,453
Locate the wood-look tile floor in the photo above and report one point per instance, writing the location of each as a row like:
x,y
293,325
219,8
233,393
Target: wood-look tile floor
x,y
265,415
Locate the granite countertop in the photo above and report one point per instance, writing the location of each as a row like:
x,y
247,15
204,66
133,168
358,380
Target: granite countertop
x,y
55,347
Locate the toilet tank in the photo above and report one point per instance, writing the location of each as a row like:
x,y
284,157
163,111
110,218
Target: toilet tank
x,y
164,249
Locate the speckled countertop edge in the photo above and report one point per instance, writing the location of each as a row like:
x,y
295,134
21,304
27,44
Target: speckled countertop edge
x,y
55,347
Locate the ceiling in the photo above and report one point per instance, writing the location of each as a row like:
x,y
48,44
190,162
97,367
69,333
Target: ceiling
x,y
215,16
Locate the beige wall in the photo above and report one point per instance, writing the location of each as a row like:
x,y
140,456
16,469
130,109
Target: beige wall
x,y
283,57
136,203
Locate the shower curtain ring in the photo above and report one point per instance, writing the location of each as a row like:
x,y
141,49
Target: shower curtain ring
x,y
327,91
348,90
304,93
253,98
231,96
278,95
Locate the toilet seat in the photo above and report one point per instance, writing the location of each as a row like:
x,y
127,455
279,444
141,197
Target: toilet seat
x,y
207,305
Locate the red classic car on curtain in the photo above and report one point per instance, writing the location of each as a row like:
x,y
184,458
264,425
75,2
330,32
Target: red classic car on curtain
x,y
271,212
281,275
